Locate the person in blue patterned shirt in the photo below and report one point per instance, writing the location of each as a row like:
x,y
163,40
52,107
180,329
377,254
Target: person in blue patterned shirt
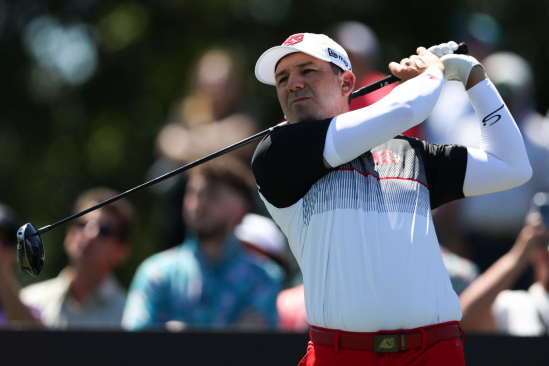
x,y
208,281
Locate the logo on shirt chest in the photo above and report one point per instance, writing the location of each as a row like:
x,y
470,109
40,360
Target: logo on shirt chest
x,y
385,157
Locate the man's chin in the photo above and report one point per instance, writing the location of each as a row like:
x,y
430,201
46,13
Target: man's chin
x,y
305,118
209,233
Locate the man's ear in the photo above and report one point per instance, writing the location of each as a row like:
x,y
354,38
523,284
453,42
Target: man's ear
x,y
347,79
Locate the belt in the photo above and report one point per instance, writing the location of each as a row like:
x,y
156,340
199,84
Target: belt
x,y
383,342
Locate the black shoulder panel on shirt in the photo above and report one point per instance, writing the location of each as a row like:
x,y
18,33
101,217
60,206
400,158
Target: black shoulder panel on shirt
x,y
288,161
445,167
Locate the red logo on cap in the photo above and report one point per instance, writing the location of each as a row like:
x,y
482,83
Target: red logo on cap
x,y
296,38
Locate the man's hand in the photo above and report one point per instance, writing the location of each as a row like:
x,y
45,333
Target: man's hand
x,y
462,68
533,236
415,65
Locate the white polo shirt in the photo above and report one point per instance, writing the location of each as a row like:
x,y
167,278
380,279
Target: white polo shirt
x,y
362,232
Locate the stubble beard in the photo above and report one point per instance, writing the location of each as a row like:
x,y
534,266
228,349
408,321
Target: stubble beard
x,y
213,232
317,109
302,113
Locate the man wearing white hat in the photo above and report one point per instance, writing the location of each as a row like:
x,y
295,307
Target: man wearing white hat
x,y
355,201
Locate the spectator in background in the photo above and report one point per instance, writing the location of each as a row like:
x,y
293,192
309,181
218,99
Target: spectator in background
x,y
362,46
462,271
12,310
86,294
488,303
209,119
213,115
261,237
208,281
290,305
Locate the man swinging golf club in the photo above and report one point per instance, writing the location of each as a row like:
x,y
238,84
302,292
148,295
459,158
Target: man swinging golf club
x,y
355,201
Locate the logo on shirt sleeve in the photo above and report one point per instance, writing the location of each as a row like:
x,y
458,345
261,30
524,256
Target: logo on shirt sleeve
x,y
492,116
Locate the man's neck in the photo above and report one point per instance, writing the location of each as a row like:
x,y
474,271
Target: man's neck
x,y
212,247
83,283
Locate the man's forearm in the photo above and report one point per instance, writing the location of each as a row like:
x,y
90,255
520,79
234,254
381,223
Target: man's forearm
x,y
476,76
477,299
501,161
353,133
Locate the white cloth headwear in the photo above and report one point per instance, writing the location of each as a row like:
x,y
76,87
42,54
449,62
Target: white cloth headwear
x,y
263,233
317,45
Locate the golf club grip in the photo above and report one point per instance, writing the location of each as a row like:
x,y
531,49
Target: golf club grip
x,y
462,50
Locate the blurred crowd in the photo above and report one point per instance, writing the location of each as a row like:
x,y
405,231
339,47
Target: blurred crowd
x,y
221,263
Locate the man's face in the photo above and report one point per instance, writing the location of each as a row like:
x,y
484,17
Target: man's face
x,y
211,209
7,255
308,89
93,241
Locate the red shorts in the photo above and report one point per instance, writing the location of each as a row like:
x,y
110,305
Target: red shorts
x,y
446,352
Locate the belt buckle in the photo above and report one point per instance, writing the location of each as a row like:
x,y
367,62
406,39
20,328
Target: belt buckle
x,y
386,343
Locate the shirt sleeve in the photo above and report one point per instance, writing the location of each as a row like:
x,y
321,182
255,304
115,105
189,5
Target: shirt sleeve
x,y
143,307
501,162
445,167
262,299
353,133
289,161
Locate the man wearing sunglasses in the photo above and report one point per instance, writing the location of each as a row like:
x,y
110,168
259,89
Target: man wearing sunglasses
x,y
86,294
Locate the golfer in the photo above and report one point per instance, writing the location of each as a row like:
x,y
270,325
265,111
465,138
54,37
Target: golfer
x,y
354,197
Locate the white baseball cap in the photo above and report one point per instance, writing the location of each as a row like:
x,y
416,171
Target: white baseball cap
x,y
317,45
263,233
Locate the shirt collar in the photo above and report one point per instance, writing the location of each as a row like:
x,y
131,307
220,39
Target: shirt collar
x,y
230,248
107,289
104,291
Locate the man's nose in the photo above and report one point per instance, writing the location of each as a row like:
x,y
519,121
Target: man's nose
x,y
91,231
197,202
295,82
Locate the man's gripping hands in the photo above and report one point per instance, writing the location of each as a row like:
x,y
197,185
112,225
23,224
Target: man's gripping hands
x,y
500,162
462,68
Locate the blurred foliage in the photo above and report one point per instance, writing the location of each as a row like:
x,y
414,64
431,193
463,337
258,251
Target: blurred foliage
x,y
60,135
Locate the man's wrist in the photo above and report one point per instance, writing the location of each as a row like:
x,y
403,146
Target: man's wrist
x,y
435,71
476,75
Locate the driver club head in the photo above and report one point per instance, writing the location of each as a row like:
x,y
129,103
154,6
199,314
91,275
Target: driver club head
x,y
30,250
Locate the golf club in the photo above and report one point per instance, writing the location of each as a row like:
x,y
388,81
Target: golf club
x,y
30,248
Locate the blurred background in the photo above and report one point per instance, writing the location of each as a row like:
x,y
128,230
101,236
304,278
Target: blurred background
x,y
86,86
115,93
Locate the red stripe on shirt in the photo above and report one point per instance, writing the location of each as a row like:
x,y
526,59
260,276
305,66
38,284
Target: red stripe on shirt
x,y
378,178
